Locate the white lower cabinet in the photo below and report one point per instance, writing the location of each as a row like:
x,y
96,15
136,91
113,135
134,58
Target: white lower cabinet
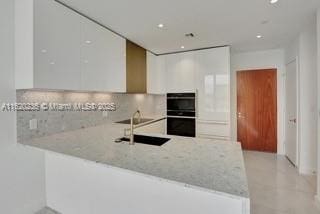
x,y
213,129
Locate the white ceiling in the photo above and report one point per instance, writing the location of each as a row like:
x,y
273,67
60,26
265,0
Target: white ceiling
x,y
214,22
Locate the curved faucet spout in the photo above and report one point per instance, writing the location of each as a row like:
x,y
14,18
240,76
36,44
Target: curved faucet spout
x,y
131,125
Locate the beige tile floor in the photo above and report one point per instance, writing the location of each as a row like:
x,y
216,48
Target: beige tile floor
x,y
276,187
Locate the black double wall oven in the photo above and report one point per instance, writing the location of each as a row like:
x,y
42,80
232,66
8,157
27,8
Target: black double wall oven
x,y
181,114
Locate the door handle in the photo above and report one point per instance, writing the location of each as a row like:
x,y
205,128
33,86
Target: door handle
x,y
293,120
240,115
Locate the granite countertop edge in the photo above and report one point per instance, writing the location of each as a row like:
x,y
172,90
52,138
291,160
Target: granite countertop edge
x,y
102,141
141,174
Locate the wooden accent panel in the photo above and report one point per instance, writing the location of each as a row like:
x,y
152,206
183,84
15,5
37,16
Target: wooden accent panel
x,y
257,109
136,68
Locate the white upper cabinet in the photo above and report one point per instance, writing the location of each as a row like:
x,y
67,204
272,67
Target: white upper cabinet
x,y
56,47
213,84
206,72
69,51
102,59
156,74
180,72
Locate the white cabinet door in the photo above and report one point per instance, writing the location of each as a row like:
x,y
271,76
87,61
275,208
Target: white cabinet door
x,y
74,53
213,130
57,33
116,54
156,79
94,75
102,59
180,72
213,84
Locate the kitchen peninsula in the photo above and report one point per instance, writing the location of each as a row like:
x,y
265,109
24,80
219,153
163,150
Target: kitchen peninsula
x,y
213,169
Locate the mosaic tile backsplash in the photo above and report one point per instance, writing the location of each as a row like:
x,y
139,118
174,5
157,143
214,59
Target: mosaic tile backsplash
x,y
51,122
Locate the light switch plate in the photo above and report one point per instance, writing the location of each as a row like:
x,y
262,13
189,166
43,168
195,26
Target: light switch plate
x,y
33,124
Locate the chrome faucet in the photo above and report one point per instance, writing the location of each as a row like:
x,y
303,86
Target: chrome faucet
x,y
131,125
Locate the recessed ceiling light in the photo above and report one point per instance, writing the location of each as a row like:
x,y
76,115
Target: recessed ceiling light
x,y
259,36
160,25
52,63
182,47
88,42
273,1
44,51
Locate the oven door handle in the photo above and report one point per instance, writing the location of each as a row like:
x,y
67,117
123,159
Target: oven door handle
x,y
181,117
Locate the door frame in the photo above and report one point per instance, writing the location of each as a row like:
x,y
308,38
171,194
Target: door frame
x,y
298,131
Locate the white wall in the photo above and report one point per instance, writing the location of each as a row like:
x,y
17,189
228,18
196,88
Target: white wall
x,y
7,92
77,186
259,60
22,184
318,144
304,50
308,103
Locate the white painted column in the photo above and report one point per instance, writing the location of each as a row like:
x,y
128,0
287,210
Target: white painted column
x,y
22,174
307,118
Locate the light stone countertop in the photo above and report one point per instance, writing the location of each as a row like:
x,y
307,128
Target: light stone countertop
x,y
213,165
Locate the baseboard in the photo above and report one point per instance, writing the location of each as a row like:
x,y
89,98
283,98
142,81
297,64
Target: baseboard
x,y
306,171
317,200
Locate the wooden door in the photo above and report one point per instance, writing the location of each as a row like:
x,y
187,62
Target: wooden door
x,y
257,109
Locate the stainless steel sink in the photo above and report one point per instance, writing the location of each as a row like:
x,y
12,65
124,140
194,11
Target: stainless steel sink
x,y
149,140
135,121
